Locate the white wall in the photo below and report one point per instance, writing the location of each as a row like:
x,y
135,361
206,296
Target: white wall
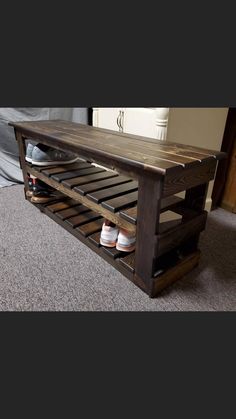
x,y
201,127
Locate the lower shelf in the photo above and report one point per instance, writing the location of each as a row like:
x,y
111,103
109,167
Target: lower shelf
x,y
86,226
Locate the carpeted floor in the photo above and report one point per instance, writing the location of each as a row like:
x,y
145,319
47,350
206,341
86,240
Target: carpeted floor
x,y
44,268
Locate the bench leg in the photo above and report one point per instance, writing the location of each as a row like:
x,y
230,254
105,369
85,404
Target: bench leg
x,y
195,199
149,206
22,153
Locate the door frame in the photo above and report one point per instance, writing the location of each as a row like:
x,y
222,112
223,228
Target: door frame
x,y
223,165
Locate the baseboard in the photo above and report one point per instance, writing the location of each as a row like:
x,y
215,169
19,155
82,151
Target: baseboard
x,y
208,204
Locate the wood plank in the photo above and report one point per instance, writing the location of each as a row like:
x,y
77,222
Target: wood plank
x,y
49,171
119,203
112,192
130,214
189,178
59,206
112,252
82,172
72,212
128,262
82,219
178,235
149,209
175,273
97,186
90,228
82,180
95,238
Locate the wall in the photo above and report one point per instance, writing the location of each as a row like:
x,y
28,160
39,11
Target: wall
x,y
202,127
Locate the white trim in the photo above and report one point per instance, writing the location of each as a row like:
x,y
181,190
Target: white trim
x,y
208,204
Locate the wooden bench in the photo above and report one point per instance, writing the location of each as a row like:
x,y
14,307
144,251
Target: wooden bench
x,y
135,191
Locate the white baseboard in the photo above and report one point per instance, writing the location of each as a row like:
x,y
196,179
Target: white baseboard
x,y
208,204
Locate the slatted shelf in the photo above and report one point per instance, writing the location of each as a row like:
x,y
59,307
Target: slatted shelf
x,y
130,214
106,193
86,225
88,232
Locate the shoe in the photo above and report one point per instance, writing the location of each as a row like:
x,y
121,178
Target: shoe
x,y
125,241
108,236
42,193
29,151
47,156
29,193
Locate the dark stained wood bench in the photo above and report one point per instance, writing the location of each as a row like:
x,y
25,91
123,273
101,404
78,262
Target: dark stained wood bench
x,y
135,190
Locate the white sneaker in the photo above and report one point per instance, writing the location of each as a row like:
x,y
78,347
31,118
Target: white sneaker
x,y
126,241
109,236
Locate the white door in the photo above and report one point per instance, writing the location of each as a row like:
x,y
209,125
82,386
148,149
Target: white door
x,y
147,122
108,118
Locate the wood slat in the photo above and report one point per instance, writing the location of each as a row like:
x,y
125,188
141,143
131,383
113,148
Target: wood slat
x,y
112,252
90,228
176,236
189,179
59,206
112,192
82,219
97,186
49,171
128,262
95,238
122,202
72,212
130,214
69,175
82,180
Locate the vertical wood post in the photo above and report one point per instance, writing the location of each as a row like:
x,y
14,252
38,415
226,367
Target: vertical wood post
x,y
149,206
22,153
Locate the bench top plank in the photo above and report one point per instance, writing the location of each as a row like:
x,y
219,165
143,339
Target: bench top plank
x,y
134,152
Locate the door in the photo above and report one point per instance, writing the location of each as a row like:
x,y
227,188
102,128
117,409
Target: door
x,y
109,118
229,196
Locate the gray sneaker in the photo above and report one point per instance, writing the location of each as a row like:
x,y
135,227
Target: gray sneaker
x,y
47,156
29,151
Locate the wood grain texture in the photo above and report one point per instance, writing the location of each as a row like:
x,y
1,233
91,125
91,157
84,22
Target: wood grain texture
x,y
85,180
179,234
130,214
90,228
113,192
116,204
127,150
189,178
72,212
115,218
49,171
101,184
149,209
175,273
75,173
62,205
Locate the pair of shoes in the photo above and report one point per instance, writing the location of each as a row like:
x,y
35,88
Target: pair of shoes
x,y
123,240
42,155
